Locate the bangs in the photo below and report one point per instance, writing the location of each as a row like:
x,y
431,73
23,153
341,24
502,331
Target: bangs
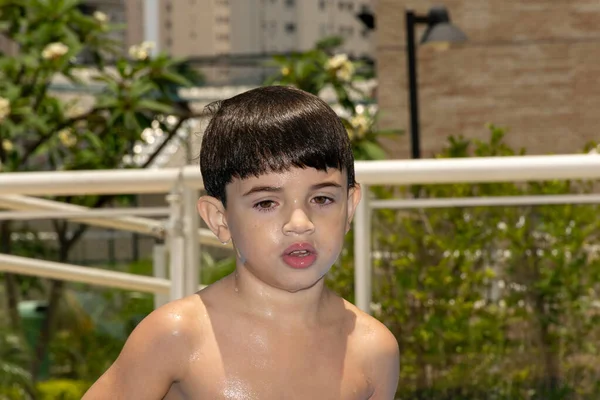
x,y
281,152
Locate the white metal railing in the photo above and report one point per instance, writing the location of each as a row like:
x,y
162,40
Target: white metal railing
x,y
34,208
183,185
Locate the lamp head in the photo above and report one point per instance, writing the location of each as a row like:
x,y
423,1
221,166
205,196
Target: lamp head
x,y
440,29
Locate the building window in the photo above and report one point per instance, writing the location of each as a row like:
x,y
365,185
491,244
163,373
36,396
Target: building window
x,y
290,3
323,29
322,4
290,27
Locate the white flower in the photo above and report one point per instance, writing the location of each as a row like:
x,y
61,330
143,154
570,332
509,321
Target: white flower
x,y
142,51
54,50
66,137
345,72
336,61
7,145
343,68
100,17
4,108
361,122
360,125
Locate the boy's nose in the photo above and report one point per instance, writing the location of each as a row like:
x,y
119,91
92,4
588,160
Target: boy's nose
x,y
298,223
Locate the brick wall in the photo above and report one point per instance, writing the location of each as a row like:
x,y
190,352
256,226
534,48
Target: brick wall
x,y
531,66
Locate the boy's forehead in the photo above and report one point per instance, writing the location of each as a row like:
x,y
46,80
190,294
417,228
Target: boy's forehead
x,y
293,176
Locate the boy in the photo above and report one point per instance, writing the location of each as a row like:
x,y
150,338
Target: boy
x,y
279,173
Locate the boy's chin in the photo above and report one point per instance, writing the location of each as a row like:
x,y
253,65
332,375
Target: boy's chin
x,y
299,283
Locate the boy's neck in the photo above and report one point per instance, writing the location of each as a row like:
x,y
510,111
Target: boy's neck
x,y
304,306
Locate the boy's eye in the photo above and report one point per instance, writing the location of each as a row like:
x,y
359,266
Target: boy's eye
x,y
322,200
264,205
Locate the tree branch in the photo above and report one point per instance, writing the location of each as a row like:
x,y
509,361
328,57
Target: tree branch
x,y
170,135
29,150
102,200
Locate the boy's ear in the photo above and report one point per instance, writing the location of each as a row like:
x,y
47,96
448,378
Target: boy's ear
x,y
212,212
354,196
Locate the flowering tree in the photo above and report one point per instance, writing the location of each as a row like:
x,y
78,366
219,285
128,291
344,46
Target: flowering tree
x,y
40,129
321,69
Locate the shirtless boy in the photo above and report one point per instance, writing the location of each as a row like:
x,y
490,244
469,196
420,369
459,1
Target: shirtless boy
x,y
279,173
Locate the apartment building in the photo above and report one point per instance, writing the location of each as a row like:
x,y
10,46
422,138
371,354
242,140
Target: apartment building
x,y
202,29
273,26
211,27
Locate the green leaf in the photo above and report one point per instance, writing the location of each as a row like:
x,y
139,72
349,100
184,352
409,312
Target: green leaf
x,y
155,106
373,151
175,78
390,132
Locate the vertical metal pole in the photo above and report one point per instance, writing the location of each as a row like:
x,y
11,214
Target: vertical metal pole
x,y
362,253
151,24
176,243
159,269
413,96
192,245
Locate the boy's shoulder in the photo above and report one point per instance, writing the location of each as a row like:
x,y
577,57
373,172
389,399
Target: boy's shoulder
x,y
370,332
179,319
378,352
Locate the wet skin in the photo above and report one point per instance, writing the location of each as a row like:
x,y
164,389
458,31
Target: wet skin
x,y
268,331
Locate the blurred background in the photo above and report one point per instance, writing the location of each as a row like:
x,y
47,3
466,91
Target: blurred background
x,y
487,302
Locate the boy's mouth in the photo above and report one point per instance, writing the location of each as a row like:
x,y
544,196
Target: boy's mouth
x,y
300,255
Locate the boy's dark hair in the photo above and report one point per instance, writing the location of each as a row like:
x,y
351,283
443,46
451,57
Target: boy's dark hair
x,y
271,129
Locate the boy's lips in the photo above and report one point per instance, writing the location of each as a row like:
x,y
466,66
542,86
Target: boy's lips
x,y
299,255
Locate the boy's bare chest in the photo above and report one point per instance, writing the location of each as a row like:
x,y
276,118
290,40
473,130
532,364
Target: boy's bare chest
x,y
255,365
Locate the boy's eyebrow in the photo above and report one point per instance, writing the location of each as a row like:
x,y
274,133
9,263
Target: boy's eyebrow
x,y
277,189
325,184
257,189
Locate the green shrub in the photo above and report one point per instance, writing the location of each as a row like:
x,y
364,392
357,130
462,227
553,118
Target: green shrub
x,y
62,389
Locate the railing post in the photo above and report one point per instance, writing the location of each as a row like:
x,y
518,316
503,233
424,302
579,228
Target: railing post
x,y
362,252
192,246
176,244
159,269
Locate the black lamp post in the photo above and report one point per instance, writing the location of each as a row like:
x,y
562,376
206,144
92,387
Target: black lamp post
x,y
439,29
